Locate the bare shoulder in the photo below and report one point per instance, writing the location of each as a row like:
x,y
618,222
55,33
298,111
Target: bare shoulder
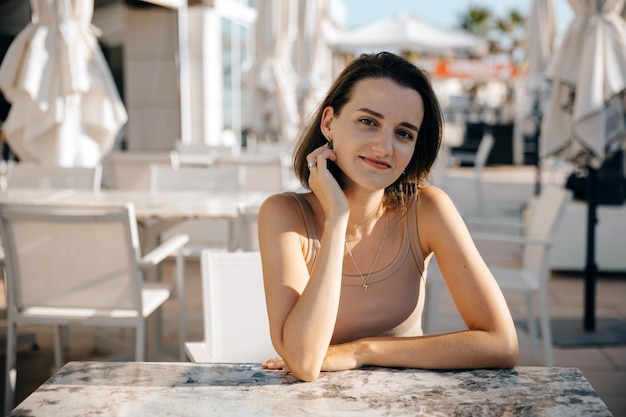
x,y
278,202
433,200
437,216
281,211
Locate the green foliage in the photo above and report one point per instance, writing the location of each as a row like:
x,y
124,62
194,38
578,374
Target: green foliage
x,y
481,21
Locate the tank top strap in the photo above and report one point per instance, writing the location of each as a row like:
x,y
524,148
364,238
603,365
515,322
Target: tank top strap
x,y
312,247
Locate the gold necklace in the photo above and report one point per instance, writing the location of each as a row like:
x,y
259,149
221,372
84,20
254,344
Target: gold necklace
x,y
380,249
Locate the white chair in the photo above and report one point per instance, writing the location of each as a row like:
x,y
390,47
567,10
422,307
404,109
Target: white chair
x,y
289,181
26,175
199,154
479,159
260,172
195,179
131,170
205,149
248,229
532,276
203,233
68,265
236,327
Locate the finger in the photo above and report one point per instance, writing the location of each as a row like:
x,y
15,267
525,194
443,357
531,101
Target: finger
x,y
318,156
275,363
318,151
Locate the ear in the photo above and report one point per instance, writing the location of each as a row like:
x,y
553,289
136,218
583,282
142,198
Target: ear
x,y
328,115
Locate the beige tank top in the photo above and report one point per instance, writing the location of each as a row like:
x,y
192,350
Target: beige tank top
x,y
394,300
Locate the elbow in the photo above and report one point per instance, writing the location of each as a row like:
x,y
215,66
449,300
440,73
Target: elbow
x,y
508,353
306,375
304,370
508,360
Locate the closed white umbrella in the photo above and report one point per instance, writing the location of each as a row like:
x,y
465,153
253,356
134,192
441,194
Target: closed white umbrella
x,y
313,55
65,109
585,111
584,121
540,33
270,105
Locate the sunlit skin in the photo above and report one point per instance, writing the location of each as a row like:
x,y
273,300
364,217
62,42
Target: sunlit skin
x,y
373,138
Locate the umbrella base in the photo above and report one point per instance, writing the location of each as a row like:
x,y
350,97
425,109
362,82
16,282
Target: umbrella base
x,y
570,333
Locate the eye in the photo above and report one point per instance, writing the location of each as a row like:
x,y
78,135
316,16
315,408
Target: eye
x,y
367,121
405,134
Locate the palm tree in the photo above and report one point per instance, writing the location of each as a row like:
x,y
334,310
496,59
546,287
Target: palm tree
x,y
504,34
512,27
476,20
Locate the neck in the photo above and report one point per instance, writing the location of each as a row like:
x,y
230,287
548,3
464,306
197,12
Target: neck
x,y
365,211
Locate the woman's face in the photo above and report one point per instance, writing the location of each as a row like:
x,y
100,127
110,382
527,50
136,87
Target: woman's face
x,y
374,135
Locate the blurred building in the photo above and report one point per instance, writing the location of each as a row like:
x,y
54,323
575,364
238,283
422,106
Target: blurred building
x,y
176,64
180,66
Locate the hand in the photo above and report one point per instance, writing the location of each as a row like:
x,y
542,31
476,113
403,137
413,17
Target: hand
x,y
341,358
338,358
323,183
275,364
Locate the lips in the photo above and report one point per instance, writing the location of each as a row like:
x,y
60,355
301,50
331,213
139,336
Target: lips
x,y
376,163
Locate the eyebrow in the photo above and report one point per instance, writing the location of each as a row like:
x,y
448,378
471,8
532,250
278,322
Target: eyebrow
x,y
380,116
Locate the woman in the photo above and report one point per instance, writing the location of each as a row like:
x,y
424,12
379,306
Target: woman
x,y
344,265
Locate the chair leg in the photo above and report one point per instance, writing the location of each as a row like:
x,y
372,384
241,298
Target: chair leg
x,y
546,329
182,302
232,235
65,334
11,368
59,346
532,325
480,195
140,341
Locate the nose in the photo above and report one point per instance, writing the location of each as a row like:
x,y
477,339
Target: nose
x,y
383,142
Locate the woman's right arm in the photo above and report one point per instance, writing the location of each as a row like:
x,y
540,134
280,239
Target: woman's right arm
x,y
302,307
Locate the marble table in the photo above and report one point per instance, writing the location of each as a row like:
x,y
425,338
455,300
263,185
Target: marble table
x,y
189,389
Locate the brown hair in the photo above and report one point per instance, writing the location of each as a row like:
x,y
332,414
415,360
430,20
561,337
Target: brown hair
x,y
399,70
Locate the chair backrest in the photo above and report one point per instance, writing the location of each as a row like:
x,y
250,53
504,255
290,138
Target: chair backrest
x,y
482,155
484,150
131,170
199,154
544,220
236,327
274,148
285,152
71,257
26,175
195,178
259,172
204,148
190,159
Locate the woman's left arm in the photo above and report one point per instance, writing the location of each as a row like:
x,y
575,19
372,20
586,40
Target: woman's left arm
x,y
490,340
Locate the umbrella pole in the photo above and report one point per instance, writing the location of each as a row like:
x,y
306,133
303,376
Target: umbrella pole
x,y
537,117
600,332
591,268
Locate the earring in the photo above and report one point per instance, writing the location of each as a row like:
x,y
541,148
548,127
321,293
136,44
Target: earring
x,y
330,144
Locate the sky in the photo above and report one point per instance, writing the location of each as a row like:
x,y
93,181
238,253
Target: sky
x,y
443,12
